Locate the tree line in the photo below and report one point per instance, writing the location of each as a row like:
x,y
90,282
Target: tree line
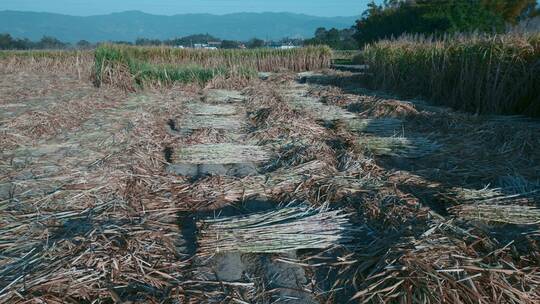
x,y
7,42
390,19
191,40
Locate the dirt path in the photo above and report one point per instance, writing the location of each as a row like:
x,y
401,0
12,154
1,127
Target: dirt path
x,y
233,153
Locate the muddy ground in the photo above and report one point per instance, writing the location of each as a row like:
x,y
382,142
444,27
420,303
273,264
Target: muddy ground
x,y
101,190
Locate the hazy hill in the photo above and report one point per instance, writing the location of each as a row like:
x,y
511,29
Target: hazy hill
x,y
133,24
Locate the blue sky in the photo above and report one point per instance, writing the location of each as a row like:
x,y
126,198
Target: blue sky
x,y
171,7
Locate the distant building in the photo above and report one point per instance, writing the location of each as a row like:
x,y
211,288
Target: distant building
x,y
215,44
282,46
207,46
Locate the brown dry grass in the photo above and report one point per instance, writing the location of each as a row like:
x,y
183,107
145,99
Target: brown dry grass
x,y
58,63
64,116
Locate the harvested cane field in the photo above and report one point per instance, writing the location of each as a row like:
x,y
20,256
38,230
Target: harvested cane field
x,y
293,186
498,74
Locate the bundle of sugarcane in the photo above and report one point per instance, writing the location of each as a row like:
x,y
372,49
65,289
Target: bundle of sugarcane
x,y
398,146
506,196
319,110
473,195
299,151
204,109
222,154
199,122
282,230
509,214
380,126
222,96
503,205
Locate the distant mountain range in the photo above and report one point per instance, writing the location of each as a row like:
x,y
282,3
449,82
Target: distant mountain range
x,y
130,25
